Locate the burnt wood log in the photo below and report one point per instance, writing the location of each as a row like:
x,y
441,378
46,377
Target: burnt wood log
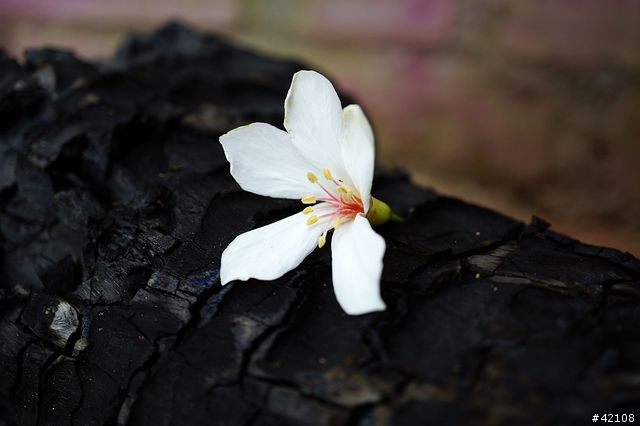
x,y
116,203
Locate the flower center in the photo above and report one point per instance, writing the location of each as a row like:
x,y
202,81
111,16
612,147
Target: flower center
x,y
340,204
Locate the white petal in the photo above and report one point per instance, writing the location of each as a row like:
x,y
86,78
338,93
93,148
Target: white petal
x,y
269,252
357,252
264,161
313,118
358,151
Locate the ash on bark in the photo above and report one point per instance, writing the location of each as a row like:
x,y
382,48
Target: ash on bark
x,y
116,203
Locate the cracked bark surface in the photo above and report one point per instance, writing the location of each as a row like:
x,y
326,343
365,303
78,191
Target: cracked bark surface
x,y
116,203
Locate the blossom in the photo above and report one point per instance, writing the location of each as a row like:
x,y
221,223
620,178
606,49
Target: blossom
x,y
325,158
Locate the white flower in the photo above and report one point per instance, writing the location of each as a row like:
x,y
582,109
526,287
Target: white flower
x,y
325,159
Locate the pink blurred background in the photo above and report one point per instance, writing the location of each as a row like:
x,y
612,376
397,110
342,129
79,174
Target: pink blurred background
x,y
524,106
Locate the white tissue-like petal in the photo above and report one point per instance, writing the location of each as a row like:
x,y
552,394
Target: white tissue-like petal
x,y
358,151
313,118
269,252
357,252
264,161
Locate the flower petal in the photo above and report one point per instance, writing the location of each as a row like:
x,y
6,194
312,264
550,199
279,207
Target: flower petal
x,y
313,118
358,151
357,252
269,252
264,161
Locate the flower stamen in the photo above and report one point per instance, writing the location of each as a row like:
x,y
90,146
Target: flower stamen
x,y
327,174
329,194
341,204
309,199
312,178
322,240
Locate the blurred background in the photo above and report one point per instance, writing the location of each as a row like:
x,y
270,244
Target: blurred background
x,y
524,106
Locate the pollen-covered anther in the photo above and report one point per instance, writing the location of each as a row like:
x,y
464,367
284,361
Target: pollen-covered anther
x,y
327,174
312,219
322,240
336,222
309,199
307,210
312,178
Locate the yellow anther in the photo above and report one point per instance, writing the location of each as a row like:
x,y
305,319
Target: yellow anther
x,y
312,178
336,223
322,240
327,174
309,199
312,219
343,189
307,210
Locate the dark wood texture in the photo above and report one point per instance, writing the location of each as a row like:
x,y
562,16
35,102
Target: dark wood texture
x,y
116,203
